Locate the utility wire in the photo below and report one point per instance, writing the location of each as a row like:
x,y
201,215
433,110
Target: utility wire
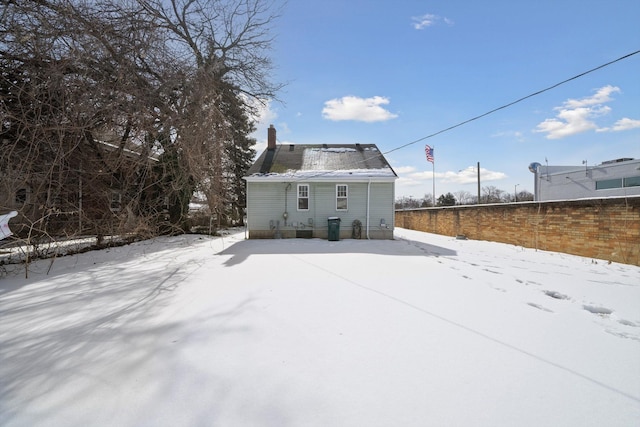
x,y
577,76
513,102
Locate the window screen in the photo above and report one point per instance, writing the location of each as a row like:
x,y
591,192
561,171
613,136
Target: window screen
x,y
303,197
342,197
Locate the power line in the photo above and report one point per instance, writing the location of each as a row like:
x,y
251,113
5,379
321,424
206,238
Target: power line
x,y
531,95
513,102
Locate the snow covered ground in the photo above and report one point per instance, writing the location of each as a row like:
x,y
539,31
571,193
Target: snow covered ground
x,y
425,330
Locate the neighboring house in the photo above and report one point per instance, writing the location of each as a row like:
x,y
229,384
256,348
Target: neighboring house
x,y
294,189
613,178
88,195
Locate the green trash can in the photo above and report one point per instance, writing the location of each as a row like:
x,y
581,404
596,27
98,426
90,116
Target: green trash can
x,y
333,224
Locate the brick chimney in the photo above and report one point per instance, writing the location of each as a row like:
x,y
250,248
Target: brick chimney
x,y
271,138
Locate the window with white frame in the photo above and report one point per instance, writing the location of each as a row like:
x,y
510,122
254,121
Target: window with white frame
x,y
342,194
303,197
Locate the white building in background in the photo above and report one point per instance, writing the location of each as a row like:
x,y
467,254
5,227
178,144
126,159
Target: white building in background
x,y
613,178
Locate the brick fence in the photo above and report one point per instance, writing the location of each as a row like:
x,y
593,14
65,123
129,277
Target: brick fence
x,y
607,229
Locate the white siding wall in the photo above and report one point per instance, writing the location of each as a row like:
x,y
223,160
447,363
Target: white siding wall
x,y
266,202
581,182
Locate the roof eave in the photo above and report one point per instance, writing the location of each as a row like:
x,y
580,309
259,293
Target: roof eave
x,y
332,178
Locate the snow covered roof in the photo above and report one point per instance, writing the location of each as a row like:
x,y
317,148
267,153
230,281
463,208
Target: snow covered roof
x,y
321,162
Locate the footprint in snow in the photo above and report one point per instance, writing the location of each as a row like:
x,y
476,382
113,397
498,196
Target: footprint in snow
x,y
556,295
627,323
601,311
539,307
622,334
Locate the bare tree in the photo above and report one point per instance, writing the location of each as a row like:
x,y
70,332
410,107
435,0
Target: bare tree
x,y
72,91
114,112
464,197
491,194
224,38
525,196
225,45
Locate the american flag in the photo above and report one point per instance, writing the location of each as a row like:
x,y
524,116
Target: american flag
x,y
429,152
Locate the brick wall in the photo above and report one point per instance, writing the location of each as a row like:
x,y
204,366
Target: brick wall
x,y
606,229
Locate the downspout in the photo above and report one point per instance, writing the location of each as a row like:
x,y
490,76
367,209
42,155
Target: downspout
x,y
285,215
368,198
246,210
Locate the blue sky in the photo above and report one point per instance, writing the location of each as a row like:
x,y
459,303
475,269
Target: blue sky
x,y
392,72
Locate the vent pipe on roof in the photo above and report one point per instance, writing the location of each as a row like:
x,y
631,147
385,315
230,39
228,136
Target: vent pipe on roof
x,y
271,138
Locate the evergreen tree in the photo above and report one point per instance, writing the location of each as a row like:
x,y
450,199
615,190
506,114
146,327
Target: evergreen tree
x,y
446,200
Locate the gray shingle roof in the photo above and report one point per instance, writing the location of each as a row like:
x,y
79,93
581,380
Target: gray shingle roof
x,y
336,159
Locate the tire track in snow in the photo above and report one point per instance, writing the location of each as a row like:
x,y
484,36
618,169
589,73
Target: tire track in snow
x,y
473,331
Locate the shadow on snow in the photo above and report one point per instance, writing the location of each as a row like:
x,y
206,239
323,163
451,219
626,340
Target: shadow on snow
x,y
242,250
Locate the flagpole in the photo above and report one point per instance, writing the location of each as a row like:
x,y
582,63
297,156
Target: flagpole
x,y
433,176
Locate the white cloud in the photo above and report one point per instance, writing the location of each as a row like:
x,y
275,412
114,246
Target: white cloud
x,y
420,22
601,96
404,180
358,109
577,115
622,125
470,175
264,117
428,20
570,122
420,176
260,111
465,176
626,124
404,169
418,183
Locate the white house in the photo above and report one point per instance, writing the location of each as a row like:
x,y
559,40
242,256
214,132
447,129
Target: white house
x,y
613,178
293,190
